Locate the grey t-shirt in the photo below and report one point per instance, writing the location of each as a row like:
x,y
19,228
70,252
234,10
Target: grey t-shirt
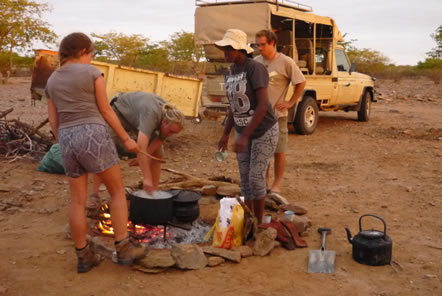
x,y
72,89
282,71
140,111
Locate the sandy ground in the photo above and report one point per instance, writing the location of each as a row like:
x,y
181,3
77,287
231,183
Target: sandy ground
x,y
390,166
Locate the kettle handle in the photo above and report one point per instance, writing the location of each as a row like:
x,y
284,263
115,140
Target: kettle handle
x,y
360,222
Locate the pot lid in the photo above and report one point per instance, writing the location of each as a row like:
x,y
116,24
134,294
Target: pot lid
x,y
157,194
371,233
187,196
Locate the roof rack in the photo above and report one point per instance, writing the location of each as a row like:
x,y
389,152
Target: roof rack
x,y
285,3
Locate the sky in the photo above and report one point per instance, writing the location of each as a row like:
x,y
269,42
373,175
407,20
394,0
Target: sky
x,y
399,29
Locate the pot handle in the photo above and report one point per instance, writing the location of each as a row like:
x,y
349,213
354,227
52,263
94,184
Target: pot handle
x,y
360,222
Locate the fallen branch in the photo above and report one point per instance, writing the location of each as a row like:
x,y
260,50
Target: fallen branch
x,y
434,247
4,113
20,140
42,124
250,222
188,182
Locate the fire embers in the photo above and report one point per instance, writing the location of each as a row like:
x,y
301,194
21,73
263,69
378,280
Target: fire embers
x,y
154,236
144,233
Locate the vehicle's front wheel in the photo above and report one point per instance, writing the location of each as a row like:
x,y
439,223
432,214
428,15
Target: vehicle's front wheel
x,y
306,117
365,109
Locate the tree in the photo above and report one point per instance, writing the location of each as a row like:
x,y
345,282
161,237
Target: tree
x,y
119,47
155,57
181,49
21,24
436,53
368,60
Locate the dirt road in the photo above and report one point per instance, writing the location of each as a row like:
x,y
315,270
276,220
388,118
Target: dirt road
x,y
390,166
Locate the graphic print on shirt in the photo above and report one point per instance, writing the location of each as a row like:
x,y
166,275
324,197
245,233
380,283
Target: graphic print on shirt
x,y
239,102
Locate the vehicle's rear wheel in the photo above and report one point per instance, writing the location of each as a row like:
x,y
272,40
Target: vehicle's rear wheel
x,y
365,109
306,117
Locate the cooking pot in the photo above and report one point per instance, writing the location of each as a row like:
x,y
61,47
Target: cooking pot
x,y
155,209
371,247
186,208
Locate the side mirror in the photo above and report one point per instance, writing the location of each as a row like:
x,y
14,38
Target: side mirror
x,y
352,68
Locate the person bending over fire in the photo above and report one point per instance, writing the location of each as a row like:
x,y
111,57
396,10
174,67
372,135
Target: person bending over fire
x,y
149,119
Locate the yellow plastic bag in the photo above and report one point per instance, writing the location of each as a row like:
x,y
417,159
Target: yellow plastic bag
x,y
230,236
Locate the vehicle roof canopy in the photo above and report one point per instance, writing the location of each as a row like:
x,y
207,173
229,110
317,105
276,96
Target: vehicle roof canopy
x,y
211,21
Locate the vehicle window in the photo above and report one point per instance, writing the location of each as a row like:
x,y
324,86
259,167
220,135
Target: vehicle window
x,y
320,55
341,61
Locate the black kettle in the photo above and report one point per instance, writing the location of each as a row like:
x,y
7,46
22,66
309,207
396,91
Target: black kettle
x,y
371,247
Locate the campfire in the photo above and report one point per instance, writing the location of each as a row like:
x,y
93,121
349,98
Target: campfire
x,y
155,236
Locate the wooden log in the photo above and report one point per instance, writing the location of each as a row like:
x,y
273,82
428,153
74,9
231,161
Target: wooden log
x,y
188,182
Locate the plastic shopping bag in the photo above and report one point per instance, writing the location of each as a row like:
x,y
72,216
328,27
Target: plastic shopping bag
x,y
228,227
51,162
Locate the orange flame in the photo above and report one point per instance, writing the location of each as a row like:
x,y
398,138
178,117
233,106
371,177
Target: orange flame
x,y
145,233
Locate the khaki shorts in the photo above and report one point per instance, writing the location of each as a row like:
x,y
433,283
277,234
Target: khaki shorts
x,y
283,135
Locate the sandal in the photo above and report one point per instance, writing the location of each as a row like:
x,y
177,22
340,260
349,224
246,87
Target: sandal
x,y
93,202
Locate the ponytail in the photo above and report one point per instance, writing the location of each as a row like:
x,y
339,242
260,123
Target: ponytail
x,y
172,115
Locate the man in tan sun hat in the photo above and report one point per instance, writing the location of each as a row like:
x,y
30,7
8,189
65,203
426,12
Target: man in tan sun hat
x,y
252,117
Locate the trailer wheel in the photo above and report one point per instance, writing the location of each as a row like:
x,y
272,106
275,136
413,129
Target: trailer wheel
x,y
306,117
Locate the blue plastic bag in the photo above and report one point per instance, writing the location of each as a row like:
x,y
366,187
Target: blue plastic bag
x,y
51,162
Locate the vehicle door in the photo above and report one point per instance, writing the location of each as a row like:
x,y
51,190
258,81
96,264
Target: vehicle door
x,y
345,83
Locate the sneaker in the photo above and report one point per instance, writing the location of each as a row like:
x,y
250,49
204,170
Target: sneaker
x,y
87,259
129,250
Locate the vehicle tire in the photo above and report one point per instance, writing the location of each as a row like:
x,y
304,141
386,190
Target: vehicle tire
x,y
306,117
365,108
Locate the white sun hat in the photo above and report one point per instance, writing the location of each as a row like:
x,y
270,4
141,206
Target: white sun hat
x,y
236,39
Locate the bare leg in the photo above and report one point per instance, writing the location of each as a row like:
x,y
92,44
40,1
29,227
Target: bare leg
x,y
155,169
279,171
96,184
77,212
258,205
113,180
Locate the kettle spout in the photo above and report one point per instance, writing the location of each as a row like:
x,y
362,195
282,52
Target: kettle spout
x,y
349,235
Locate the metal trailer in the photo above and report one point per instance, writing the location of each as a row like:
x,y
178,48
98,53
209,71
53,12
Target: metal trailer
x,y
184,92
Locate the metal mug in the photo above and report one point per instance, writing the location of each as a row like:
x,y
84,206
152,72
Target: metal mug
x,y
267,219
288,215
221,156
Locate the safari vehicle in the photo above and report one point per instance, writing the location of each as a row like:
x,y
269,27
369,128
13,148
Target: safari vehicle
x,y
311,40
